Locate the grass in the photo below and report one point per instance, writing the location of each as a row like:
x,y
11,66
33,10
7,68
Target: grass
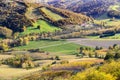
x,y
108,22
5,56
50,13
44,27
9,73
92,37
63,47
69,48
114,7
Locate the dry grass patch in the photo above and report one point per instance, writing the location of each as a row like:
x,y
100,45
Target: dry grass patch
x,y
7,72
5,56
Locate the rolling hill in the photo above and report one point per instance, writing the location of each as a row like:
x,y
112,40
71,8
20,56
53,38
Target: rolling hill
x,y
93,8
18,15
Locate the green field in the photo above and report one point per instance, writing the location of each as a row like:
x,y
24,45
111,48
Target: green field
x,y
53,15
114,7
63,47
44,27
108,22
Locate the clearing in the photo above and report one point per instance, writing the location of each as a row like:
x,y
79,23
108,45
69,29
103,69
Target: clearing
x,y
44,27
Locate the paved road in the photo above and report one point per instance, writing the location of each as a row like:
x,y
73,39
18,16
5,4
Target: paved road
x,y
95,42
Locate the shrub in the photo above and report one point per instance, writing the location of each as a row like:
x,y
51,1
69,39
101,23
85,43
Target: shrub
x,y
51,75
93,75
26,41
112,68
64,62
4,47
57,57
20,61
117,55
109,56
73,66
38,27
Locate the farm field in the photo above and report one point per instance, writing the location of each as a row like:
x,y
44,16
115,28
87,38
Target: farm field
x,y
105,43
44,27
58,47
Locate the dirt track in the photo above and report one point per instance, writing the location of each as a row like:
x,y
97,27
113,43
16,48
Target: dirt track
x,y
95,42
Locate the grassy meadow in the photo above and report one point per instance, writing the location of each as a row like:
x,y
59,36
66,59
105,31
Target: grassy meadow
x,y
62,47
10,73
50,13
108,22
114,7
44,27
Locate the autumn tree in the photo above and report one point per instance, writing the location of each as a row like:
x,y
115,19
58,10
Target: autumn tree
x,y
109,56
92,75
26,41
4,47
117,55
20,41
24,28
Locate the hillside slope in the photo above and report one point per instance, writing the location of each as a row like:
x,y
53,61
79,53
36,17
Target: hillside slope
x,y
89,7
18,15
12,15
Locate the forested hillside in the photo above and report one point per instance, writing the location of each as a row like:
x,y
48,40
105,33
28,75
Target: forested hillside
x,y
12,15
89,7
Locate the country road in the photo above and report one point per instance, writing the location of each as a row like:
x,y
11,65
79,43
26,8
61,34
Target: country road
x,y
94,42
